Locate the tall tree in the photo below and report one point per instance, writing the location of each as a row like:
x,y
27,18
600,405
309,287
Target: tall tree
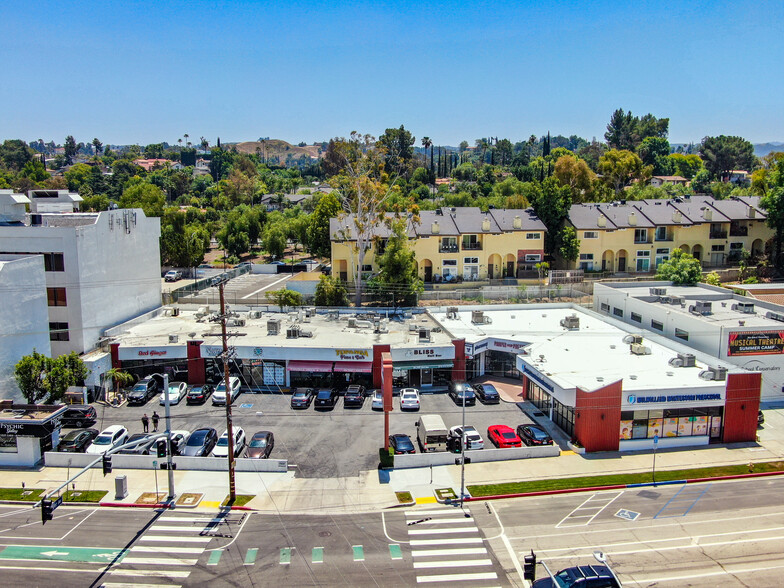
x,y
318,230
552,202
397,281
619,168
97,145
14,154
70,148
626,131
398,148
723,154
330,291
773,203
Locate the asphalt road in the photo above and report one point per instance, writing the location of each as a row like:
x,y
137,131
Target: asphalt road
x,y
322,444
246,290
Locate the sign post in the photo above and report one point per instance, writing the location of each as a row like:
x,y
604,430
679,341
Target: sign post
x,y
655,444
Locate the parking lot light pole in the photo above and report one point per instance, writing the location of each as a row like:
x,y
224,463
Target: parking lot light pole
x,y
602,559
229,427
462,454
167,413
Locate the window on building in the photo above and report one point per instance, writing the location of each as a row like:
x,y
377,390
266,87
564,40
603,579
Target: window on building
x,y
449,262
471,242
681,334
640,235
661,233
605,307
54,262
8,444
618,312
636,317
717,247
56,297
533,257
471,260
58,332
448,245
586,256
366,267
590,234
533,235
734,246
662,255
657,325
643,261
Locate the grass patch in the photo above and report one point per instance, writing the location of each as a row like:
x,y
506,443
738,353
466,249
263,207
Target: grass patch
x,y
84,495
29,494
615,479
239,500
446,493
386,458
404,497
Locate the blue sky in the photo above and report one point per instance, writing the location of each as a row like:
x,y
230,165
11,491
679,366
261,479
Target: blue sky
x,y
141,71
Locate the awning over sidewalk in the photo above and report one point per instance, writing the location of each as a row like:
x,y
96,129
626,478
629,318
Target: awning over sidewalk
x,y
309,366
422,365
364,367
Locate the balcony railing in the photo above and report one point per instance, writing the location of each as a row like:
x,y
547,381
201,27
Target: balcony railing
x,y
663,238
448,248
718,234
640,240
739,231
472,246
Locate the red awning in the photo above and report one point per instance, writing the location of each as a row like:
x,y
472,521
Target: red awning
x,y
309,366
364,367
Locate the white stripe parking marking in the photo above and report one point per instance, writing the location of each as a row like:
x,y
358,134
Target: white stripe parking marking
x,y
726,572
449,541
167,549
157,528
191,520
458,551
602,498
457,577
158,561
134,585
151,573
172,538
460,563
444,531
265,287
40,569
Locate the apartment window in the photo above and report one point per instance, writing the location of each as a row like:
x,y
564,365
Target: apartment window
x,y
657,325
449,262
533,257
717,247
586,256
58,332
590,234
470,260
643,261
618,312
56,297
637,318
605,307
366,267
661,233
681,334
662,255
640,235
448,245
471,242
736,246
533,235
54,262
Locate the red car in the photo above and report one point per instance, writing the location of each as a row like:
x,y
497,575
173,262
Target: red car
x,y
502,436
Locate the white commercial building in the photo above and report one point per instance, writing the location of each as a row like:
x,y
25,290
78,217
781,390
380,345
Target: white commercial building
x,y
101,269
743,331
24,318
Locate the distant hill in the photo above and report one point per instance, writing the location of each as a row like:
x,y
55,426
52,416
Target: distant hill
x,y
762,149
272,148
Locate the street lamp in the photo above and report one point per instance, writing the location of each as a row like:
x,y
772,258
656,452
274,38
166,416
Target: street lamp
x,y
602,559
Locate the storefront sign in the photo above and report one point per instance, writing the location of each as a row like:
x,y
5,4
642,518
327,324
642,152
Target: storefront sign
x,y
755,365
162,352
634,399
36,429
352,354
270,352
758,343
505,345
422,353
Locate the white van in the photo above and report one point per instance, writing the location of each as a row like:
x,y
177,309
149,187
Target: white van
x,y
431,433
219,396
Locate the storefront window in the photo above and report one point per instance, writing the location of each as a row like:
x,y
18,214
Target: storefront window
x,y
681,422
8,444
563,417
500,363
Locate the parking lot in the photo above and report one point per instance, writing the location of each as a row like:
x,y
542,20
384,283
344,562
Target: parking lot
x,y
247,289
338,443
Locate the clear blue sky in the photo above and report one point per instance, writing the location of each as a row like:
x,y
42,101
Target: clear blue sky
x,y
142,71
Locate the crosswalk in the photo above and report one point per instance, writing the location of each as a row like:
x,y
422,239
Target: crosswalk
x,y
447,547
165,554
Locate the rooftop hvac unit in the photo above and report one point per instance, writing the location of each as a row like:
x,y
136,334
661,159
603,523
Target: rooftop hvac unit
x,y
631,339
688,359
676,362
702,307
639,349
658,291
744,307
424,335
173,338
774,316
571,322
352,322
333,315
363,324
677,300
310,312
105,345
292,332
451,312
665,299
412,328
303,333
235,322
273,326
255,314
203,311
714,373
478,318
176,311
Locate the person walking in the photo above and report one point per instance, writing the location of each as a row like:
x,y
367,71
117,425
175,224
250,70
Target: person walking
x,y
155,418
145,423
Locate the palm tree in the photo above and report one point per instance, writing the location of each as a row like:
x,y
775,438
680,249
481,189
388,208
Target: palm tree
x,y
426,142
204,143
531,143
187,143
120,378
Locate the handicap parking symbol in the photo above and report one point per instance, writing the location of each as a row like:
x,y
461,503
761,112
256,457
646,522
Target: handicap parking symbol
x,y
246,406
629,515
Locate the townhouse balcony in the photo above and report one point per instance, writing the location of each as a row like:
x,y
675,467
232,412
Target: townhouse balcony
x,y
668,238
448,248
718,235
472,246
739,231
640,240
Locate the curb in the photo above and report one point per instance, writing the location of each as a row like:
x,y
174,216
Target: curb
x,y
134,505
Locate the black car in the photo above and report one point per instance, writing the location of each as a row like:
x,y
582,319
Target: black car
x,y
77,441
580,577
487,393
401,444
145,389
200,443
760,418
198,394
462,392
302,397
142,448
326,397
354,396
79,416
534,435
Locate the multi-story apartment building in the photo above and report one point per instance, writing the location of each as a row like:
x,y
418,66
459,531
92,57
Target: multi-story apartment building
x,y
452,243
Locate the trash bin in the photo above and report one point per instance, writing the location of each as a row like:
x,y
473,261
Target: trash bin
x,y
120,487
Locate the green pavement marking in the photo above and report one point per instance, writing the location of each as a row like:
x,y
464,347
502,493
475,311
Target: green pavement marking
x,y
215,557
49,553
394,551
285,555
359,553
318,555
250,557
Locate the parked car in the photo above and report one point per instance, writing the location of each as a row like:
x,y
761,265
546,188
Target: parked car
x,y
580,577
219,396
462,392
261,445
760,418
487,393
326,398
176,392
534,435
201,442
144,389
77,441
302,397
409,399
199,394
354,396
378,400
502,436
221,448
179,440
79,416
109,438
401,443
473,440
173,276
142,448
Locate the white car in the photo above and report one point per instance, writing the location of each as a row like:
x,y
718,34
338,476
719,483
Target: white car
x,y
409,399
222,447
172,276
378,400
109,438
176,391
179,439
473,439
219,396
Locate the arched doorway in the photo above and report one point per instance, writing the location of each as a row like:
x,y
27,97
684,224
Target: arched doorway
x,y
494,267
757,248
509,271
697,252
622,256
427,270
608,261
684,248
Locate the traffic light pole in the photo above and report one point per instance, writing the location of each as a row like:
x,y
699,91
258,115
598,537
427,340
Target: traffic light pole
x,y
229,427
169,448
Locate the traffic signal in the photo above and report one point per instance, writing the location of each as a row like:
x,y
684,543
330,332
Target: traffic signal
x,y
107,464
46,510
529,566
161,446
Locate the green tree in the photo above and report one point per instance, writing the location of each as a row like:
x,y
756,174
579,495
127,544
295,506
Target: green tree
x,y
14,154
97,146
701,181
723,154
275,240
42,379
712,278
77,176
570,244
318,230
331,291
686,166
284,298
626,131
144,195
70,149
575,173
35,171
398,148
773,203
654,151
552,202
397,280
619,168
681,268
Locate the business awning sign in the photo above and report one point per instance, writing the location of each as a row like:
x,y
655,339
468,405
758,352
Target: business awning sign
x,y
756,343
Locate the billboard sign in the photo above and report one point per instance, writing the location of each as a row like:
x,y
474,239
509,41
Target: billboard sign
x,y
756,343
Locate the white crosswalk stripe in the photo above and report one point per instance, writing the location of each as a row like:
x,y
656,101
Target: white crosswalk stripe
x,y
451,542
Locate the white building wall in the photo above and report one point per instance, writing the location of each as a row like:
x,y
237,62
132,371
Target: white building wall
x,y
24,321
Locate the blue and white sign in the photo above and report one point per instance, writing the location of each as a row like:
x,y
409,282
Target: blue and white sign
x,y
628,515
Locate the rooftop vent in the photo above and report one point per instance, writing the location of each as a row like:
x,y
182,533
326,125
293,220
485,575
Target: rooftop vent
x,y
173,338
702,307
657,291
435,228
601,221
273,326
254,314
478,318
571,322
424,335
683,360
751,212
293,332
714,373
774,316
744,307
633,339
333,315
486,224
451,312
517,222
639,349
235,322
675,300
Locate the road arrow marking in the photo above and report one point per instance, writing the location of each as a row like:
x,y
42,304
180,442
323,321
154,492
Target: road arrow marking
x,y
54,553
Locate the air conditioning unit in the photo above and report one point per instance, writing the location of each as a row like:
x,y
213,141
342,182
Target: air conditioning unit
x,y
424,335
451,312
105,345
657,291
714,373
292,332
688,359
675,300
639,349
631,339
273,326
310,311
255,314
744,307
676,362
333,315
235,322
701,307
478,318
665,299
176,311
774,316
571,322
352,322
305,333
174,338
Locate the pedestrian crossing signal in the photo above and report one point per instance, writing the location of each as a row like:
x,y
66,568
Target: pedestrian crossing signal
x,y
46,510
161,447
107,464
529,567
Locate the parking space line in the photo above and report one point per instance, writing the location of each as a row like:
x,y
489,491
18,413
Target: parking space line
x,y
265,287
250,557
452,541
285,556
150,573
170,538
460,563
606,498
461,520
359,552
691,496
159,561
427,513
394,551
317,555
215,557
442,552
442,531
456,577
167,549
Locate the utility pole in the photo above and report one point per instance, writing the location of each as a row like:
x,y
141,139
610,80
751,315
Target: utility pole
x,y
229,427
169,465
